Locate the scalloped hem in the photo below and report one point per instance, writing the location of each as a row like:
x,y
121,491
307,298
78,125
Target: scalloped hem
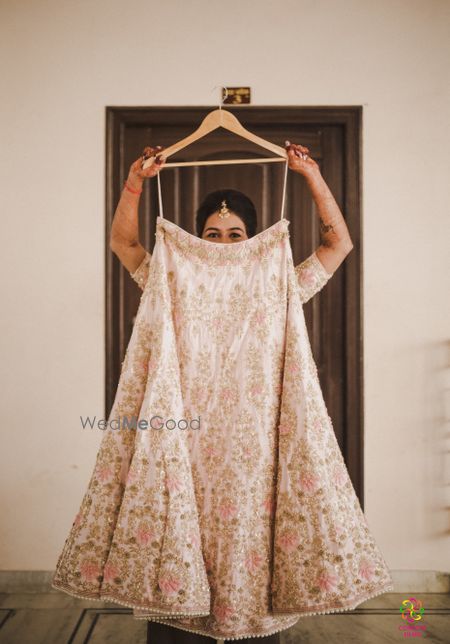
x,y
217,636
297,616
350,605
118,600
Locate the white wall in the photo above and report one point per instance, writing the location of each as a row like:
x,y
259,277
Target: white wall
x,y
62,63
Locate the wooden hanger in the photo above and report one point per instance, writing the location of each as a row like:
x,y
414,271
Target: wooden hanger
x,y
212,121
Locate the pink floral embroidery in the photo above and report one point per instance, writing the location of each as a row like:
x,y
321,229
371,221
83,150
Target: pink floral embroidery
x,y
89,570
240,450
227,510
317,424
131,476
339,475
308,482
210,450
269,505
327,581
143,367
259,317
256,389
226,394
173,484
144,534
223,612
110,572
288,541
170,583
253,561
307,277
366,569
104,473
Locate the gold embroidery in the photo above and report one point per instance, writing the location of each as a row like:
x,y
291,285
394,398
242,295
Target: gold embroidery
x,y
311,276
140,275
241,527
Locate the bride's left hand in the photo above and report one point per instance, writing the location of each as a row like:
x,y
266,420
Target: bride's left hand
x,y
299,159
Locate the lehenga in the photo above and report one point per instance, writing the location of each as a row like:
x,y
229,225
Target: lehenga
x,y
228,510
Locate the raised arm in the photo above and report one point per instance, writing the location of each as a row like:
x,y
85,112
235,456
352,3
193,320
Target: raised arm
x,y
124,238
336,243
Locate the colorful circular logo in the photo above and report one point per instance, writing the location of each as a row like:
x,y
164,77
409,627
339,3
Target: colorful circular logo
x,y
411,610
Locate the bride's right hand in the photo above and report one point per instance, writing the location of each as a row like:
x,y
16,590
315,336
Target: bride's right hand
x,y
152,170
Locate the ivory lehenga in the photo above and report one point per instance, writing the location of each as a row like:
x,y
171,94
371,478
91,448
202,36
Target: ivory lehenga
x,y
232,514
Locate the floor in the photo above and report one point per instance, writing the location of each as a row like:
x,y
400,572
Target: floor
x,y
57,618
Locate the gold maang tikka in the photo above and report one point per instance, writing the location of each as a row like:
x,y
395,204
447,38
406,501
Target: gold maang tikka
x,y
224,212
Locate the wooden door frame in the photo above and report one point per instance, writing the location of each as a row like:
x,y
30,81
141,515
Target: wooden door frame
x,y
349,118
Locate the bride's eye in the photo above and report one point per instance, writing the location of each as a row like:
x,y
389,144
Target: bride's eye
x,y
212,235
236,235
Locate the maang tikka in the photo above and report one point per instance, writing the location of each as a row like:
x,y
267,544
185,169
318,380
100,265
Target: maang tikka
x,y
224,212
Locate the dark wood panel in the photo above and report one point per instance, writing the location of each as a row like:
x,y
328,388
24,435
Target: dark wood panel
x,y
333,316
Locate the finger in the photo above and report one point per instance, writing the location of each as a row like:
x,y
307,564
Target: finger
x,y
293,156
301,151
294,150
296,155
298,146
302,148
150,151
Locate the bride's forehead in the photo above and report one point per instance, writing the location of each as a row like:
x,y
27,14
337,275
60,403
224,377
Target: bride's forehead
x,y
225,222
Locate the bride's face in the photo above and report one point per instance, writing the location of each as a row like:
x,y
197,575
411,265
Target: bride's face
x,y
224,231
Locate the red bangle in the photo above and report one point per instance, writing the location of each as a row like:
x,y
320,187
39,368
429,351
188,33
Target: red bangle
x,y
135,192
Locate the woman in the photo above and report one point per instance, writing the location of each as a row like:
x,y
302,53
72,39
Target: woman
x,y
238,224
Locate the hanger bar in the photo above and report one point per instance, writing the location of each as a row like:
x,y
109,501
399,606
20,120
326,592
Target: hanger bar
x,y
223,162
212,121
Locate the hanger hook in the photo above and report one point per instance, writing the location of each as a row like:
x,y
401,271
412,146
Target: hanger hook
x,y
226,94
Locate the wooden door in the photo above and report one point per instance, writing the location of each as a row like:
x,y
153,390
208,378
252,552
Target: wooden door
x,y
333,315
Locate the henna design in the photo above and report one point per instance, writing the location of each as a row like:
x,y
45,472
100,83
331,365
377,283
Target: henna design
x,y
325,229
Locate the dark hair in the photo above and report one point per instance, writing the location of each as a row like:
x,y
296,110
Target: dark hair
x,y
239,203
